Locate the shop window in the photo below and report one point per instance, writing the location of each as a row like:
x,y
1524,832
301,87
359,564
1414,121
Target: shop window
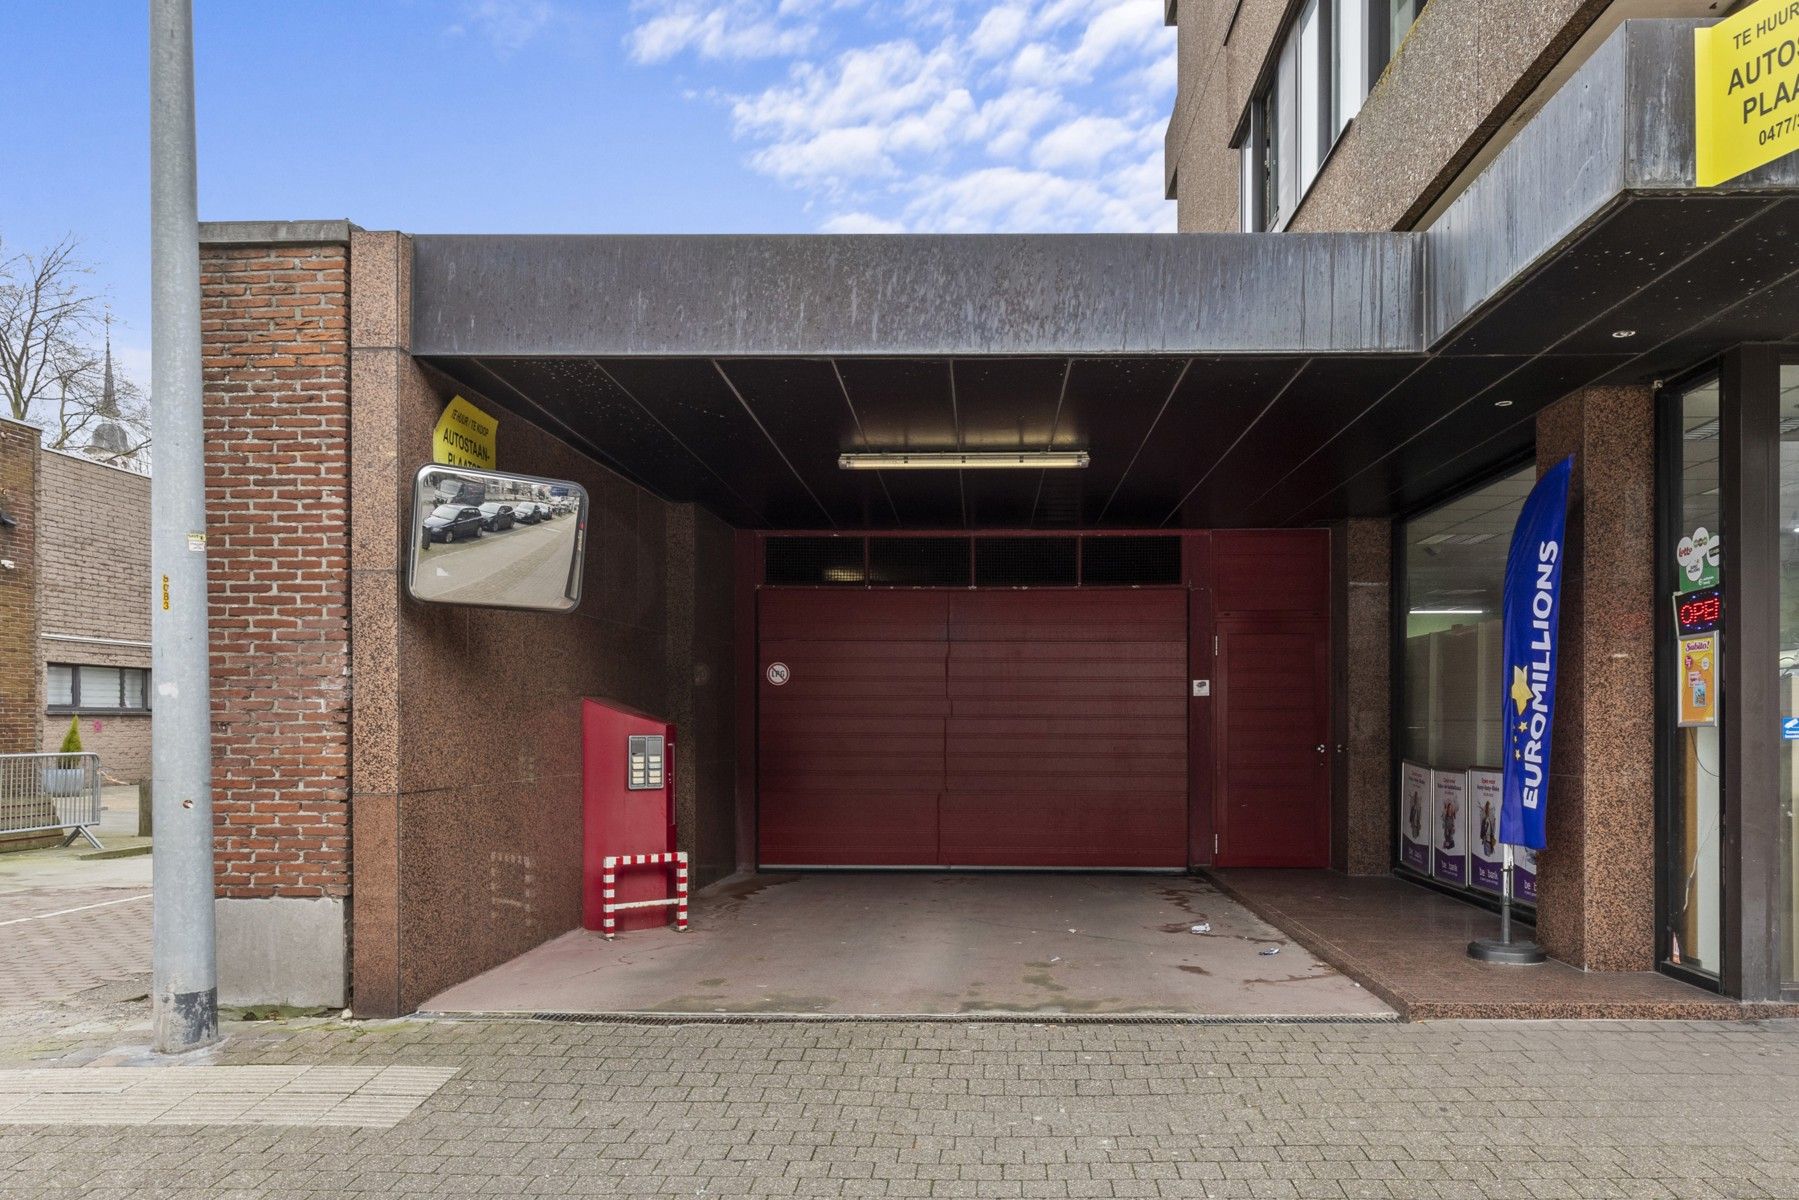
x,y
1693,556
1789,669
70,687
1451,724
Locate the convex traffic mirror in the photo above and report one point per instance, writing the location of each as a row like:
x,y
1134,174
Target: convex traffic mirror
x,y
500,541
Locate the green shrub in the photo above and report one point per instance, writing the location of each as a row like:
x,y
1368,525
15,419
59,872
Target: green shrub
x,y
71,743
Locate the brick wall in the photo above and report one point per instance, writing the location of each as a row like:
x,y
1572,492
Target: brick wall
x,y
94,571
21,691
274,329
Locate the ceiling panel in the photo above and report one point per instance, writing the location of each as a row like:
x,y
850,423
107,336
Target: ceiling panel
x,y
1217,401
1324,398
1107,411
1637,245
904,404
1413,402
1756,254
801,405
1006,404
697,405
576,399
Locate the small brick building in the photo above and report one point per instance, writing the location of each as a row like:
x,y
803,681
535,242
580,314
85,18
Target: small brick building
x,y
74,604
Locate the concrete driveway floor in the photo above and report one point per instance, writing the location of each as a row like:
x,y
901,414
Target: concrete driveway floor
x,y
951,944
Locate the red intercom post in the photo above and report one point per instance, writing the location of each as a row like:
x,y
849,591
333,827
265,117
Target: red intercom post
x,y
628,808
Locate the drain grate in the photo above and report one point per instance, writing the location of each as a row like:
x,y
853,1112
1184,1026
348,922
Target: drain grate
x,y
990,1018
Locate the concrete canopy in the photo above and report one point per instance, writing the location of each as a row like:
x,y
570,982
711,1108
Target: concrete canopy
x,y
1231,379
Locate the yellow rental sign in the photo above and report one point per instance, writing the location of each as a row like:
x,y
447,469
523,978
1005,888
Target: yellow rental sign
x,y
466,437
1747,90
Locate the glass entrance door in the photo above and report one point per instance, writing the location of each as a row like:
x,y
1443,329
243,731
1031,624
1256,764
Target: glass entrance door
x,y
1693,556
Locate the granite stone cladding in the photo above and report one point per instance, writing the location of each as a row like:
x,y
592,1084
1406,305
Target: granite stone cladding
x,y
468,848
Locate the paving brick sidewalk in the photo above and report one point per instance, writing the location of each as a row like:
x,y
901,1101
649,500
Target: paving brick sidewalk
x,y
56,942
1485,1110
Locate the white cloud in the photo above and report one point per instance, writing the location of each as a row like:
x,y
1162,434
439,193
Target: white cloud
x,y
860,222
508,24
939,114
725,29
1084,142
998,30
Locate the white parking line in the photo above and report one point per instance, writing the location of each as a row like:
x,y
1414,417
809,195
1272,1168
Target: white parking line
x,y
66,911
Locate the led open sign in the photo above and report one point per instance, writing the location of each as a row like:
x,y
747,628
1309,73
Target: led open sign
x,y
1698,611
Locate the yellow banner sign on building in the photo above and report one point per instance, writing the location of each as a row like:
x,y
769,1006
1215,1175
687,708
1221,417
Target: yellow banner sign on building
x,y
1747,90
466,437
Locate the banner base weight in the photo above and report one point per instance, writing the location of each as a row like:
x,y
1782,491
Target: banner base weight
x,y
1515,954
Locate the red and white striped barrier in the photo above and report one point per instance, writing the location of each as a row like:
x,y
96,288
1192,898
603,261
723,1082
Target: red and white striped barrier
x,y
610,905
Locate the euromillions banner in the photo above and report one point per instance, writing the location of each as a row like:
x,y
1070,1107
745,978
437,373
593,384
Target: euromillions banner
x,y
1532,606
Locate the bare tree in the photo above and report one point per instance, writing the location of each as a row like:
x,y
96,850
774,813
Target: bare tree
x,y
50,374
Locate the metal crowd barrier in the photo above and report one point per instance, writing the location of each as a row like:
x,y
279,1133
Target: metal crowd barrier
x,y
43,792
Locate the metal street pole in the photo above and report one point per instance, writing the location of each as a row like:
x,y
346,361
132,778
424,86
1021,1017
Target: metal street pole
x,y
185,995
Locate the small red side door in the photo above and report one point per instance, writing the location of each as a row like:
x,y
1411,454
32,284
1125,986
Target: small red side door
x,y
1272,711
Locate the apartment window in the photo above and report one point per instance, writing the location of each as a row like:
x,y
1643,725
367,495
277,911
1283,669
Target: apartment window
x,y
71,687
1324,64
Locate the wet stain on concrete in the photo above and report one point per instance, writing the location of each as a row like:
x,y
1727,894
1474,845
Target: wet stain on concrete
x,y
1291,979
711,983
726,897
1042,979
1193,970
1183,898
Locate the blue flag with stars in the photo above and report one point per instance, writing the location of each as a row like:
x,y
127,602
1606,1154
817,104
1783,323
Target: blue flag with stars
x,y
1532,605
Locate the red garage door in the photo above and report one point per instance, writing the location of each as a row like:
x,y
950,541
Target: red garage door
x,y
1019,729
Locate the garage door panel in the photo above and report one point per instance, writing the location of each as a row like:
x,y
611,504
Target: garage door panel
x,y
1074,616
1158,707
801,827
800,615
1147,653
1049,727
970,733
1081,829
873,723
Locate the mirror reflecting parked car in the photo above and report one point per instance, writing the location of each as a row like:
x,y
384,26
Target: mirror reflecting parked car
x,y
535,563
448,522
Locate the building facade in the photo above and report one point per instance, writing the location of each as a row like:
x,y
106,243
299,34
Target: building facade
x,y
94,610
1339,115
1252,624
74,542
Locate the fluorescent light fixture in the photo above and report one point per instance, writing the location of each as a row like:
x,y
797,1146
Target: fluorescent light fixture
x,y
960,460
1447,612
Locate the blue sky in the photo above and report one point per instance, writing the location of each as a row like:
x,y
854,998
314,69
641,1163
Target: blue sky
x,y
639,116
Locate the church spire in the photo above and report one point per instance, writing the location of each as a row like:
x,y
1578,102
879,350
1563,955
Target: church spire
x,y
109,403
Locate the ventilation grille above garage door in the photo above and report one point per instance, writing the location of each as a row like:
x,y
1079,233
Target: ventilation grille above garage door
x,y
1016,560
815,560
